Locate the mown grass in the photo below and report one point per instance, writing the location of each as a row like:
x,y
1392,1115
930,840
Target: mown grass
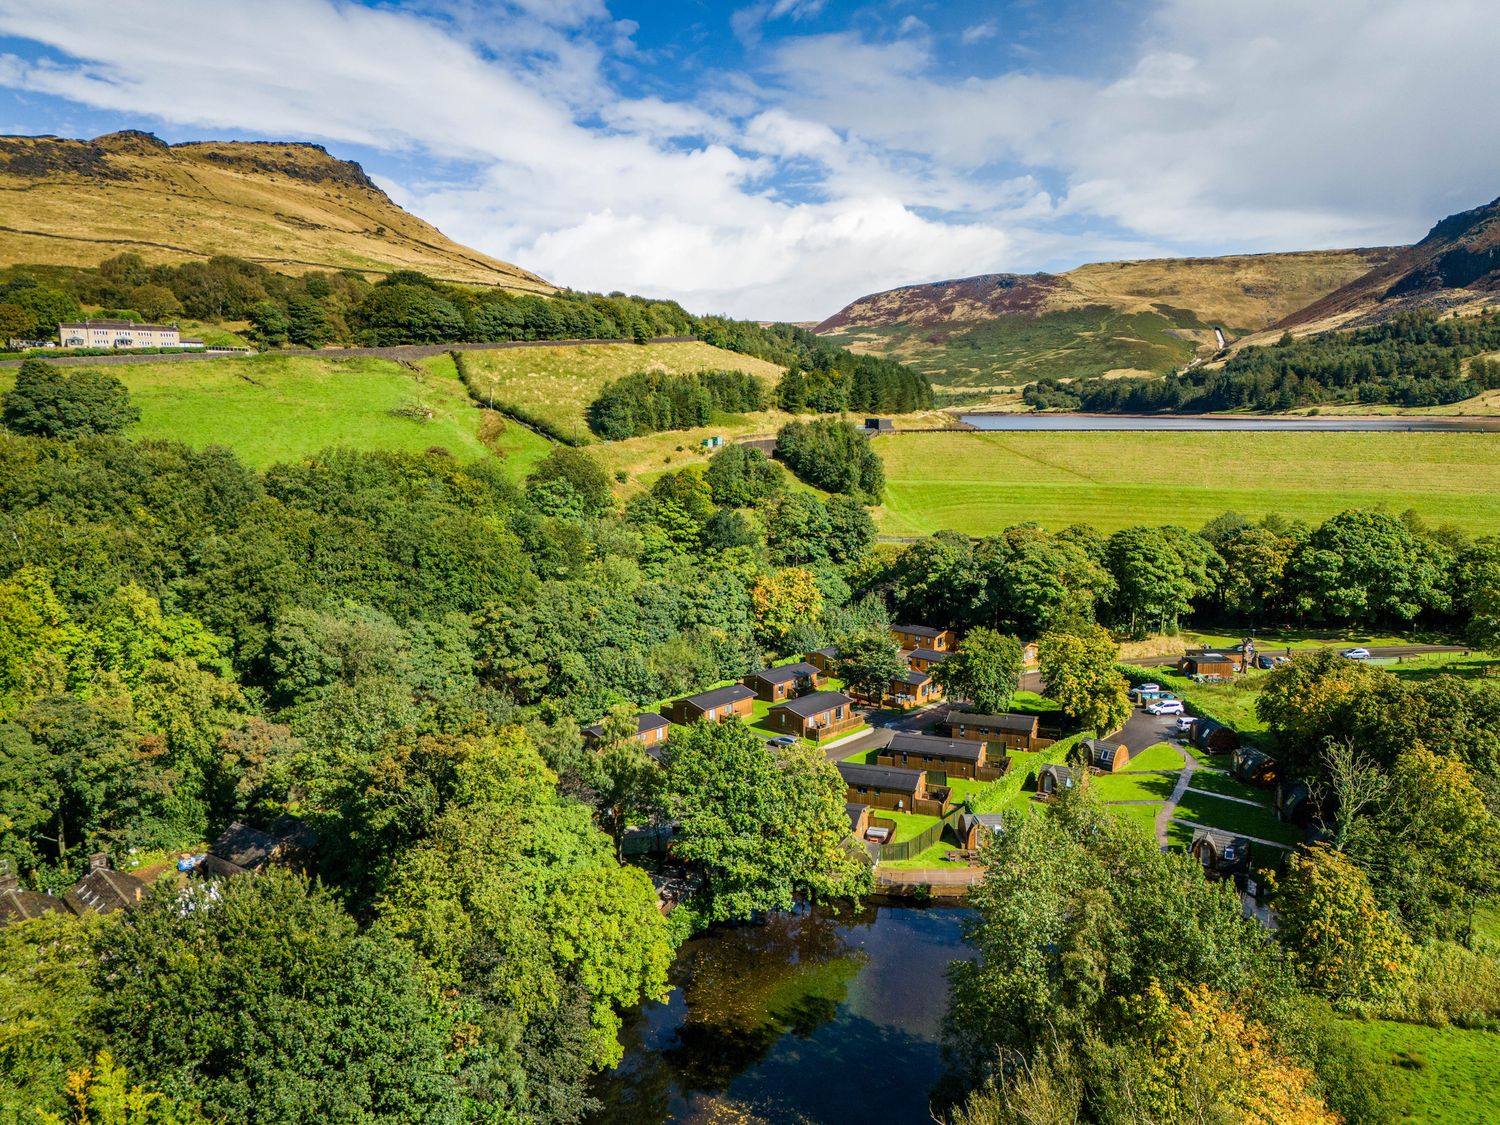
x,y
1138,787
279,408
1201,808
1158,757
1143,816
557,384
1445,1075
1227,786
981,482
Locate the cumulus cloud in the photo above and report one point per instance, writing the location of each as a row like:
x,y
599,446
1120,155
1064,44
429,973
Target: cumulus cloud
x,y
833,164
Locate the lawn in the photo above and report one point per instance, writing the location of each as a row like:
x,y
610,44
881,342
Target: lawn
x,y
1222,783
1143,815
935,856
1201,808
1445,1075
557,384
981,482
279,408
1030,703
907,824
1133,787
1159,757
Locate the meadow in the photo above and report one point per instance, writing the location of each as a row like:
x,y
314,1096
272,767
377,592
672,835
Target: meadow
x,y
556,385
1445,1075
981,482
279,408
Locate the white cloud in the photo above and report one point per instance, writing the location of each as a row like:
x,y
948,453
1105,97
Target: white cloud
x,y
842,164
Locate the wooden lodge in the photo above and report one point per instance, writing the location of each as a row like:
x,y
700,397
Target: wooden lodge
x,y
243,850
823,658
1014,732
1208,664
786,682
975,828
1215,737
717,706
1221,853
924,636
952,756
1254,766
886,787
925,659
1106,756
651,731
1029,657
1053,780
915,689
816,717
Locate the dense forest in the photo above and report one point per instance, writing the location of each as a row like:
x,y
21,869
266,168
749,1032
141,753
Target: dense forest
x,y
1414,359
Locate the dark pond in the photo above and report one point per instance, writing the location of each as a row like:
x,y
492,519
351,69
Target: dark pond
x,y
1180,422
809,1018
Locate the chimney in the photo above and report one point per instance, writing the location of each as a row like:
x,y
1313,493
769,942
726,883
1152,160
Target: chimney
x,y
99,861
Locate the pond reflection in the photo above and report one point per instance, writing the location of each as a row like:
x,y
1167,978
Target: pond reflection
x,y
812,1017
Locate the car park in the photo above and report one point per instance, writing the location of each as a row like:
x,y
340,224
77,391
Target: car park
x,y
1356,654
1165,707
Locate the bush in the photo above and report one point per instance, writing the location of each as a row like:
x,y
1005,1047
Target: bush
x,y
649,402
832,455
48,403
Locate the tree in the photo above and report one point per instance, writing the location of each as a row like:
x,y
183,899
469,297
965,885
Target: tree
x,y
1033,581
1255,564
1078,672
867,663
1354,782
581,474
154,302
1158,572
741,476
46,402
101,1094
851,530
985,670
784,600
1341,944
832,455
1366,568
1477,579
624,779
401,313
261,1000
766,827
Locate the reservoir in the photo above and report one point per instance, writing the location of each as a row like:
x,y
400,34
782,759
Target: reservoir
x,y
1235,422
809,1018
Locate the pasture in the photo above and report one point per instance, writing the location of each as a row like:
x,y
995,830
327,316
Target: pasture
x,y
278,408
556,385
981,482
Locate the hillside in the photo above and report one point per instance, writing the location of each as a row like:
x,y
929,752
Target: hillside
x,y
289,206
1103,318
1455,267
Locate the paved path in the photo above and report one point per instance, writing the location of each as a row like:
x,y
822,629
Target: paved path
x,y
1164,818
1376,652
1227,797
939,876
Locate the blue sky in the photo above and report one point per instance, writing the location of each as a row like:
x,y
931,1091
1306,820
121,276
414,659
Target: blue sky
x,y
779,158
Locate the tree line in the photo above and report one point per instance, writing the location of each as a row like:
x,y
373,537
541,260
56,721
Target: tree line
x,y
1413,359
648,402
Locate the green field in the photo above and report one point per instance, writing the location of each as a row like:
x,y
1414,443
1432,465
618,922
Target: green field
x,y
278,408
979,483
556,385
1445,1075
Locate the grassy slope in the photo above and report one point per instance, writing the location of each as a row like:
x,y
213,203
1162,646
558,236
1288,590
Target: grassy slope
x,y
277,408
192,201
1446,1075
558,384
979,483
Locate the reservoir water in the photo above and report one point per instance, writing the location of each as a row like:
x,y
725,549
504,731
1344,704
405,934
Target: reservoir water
x,y
1233,422
812,1018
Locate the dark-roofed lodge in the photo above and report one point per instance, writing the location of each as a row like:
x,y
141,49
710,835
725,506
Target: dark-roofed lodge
x,y
816,717
717,706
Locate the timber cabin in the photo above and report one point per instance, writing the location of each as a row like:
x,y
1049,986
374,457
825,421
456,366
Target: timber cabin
x,y
1254,766
717,706
1029,658
915,689
923,636
859,819
1215,737
1208,664
1052,780
1014,732
651,732
925,659
786,682
1221,853
884,787
1106,756
954,757
975,828
823,658
815,717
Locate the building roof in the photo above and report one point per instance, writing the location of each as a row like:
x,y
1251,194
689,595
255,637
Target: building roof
x,y
116,324
646,720
962,749
829,652
1061,773
995,822
1022,724
719,696
856,812
930,654
245,847
17,905
914,678
103,891
1209,657
883,777
1220,839
798,671
918,630
814,703
1098,747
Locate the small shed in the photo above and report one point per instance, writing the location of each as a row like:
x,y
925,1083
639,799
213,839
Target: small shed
x,y
1293,802
880,425
1254,766
1106,756
1221,853
974,828
859,818
1215,737
1208,664
1052,780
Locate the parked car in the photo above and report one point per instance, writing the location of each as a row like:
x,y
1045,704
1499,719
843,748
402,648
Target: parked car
x,y
1165,707
1280,660
1356,653
1185,723
1266,661
1148,687
782,740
